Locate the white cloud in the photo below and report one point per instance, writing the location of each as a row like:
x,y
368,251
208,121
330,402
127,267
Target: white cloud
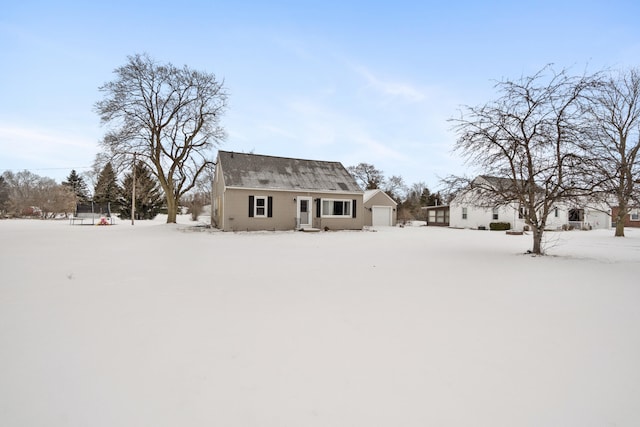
x,y
43,152
21,135
279,131
403,90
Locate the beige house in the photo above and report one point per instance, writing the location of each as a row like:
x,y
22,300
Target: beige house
x,y
379,209
255,192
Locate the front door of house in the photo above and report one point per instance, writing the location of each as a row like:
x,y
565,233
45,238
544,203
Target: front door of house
x,y
304,212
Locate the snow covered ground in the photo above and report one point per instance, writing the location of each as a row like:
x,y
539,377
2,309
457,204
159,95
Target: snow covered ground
x,y
162,325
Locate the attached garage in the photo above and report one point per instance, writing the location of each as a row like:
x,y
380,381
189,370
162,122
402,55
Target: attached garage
x,y
379,209
382,216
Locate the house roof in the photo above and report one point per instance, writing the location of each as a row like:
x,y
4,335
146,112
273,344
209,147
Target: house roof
x,y
368,194
503,184
283,173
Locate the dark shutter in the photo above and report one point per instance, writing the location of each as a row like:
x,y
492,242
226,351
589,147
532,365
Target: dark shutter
x,y
269,206
251,206
317,208
353,209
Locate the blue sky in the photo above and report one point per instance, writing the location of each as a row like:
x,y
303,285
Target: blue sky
x,y
348,81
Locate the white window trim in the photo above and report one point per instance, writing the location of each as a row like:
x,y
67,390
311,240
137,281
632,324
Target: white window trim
x,y
495,214
465,213
255,206
636,213
324,215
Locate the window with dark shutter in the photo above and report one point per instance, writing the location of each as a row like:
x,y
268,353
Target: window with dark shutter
x,y
269,206
251,204
353,209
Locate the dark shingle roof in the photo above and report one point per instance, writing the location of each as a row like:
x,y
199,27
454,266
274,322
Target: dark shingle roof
x,y
505,184
282,173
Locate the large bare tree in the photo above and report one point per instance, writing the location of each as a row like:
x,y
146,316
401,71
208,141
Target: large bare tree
x,y
614,166
367,176
169,117
27,192
527,141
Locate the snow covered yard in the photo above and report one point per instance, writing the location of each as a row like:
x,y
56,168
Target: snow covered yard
x,y
159,325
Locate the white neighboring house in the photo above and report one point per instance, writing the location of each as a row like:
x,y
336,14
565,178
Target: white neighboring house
x,y
466,211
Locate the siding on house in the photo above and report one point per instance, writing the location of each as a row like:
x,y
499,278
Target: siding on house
x,y
235,213
632,219
478,217
466,212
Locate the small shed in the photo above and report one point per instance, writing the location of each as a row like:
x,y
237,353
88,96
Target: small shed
x,y
379,209
437,216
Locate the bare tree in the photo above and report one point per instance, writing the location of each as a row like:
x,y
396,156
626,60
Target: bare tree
x,y
202,196
22,191
168,116
367,176
56,198
614,166
528,140
28,192
395,187
4,195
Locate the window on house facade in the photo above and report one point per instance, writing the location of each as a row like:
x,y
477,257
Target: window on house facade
x,y
555,212
464,213
522,212
332,208
576,215
634,215
260,206
495,213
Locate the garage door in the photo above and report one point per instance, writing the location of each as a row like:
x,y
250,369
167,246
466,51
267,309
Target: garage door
x,y
381,215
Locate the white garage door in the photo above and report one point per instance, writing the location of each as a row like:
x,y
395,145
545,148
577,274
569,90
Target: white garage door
x,y
381,215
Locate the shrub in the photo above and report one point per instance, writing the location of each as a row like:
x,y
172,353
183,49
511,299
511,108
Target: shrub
x,y
500,226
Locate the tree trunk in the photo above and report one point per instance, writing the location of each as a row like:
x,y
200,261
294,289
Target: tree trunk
x,y
172,209
537,241
622,210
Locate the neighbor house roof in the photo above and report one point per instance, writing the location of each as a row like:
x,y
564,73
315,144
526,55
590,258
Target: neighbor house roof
x,y
503,184
283,173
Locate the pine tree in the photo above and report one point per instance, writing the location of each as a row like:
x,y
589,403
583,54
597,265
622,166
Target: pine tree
x,y
78,186
107,189
149,195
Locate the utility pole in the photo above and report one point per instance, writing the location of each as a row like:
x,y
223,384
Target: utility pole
x,y
213,174
133,191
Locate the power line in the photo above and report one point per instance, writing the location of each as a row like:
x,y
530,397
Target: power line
x,y
48,169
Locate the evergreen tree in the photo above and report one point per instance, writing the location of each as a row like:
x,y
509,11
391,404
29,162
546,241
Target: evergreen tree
x,y
78,186
149,195
435,199
107,189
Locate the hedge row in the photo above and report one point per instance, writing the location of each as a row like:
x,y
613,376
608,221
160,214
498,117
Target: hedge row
x,y
500,226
